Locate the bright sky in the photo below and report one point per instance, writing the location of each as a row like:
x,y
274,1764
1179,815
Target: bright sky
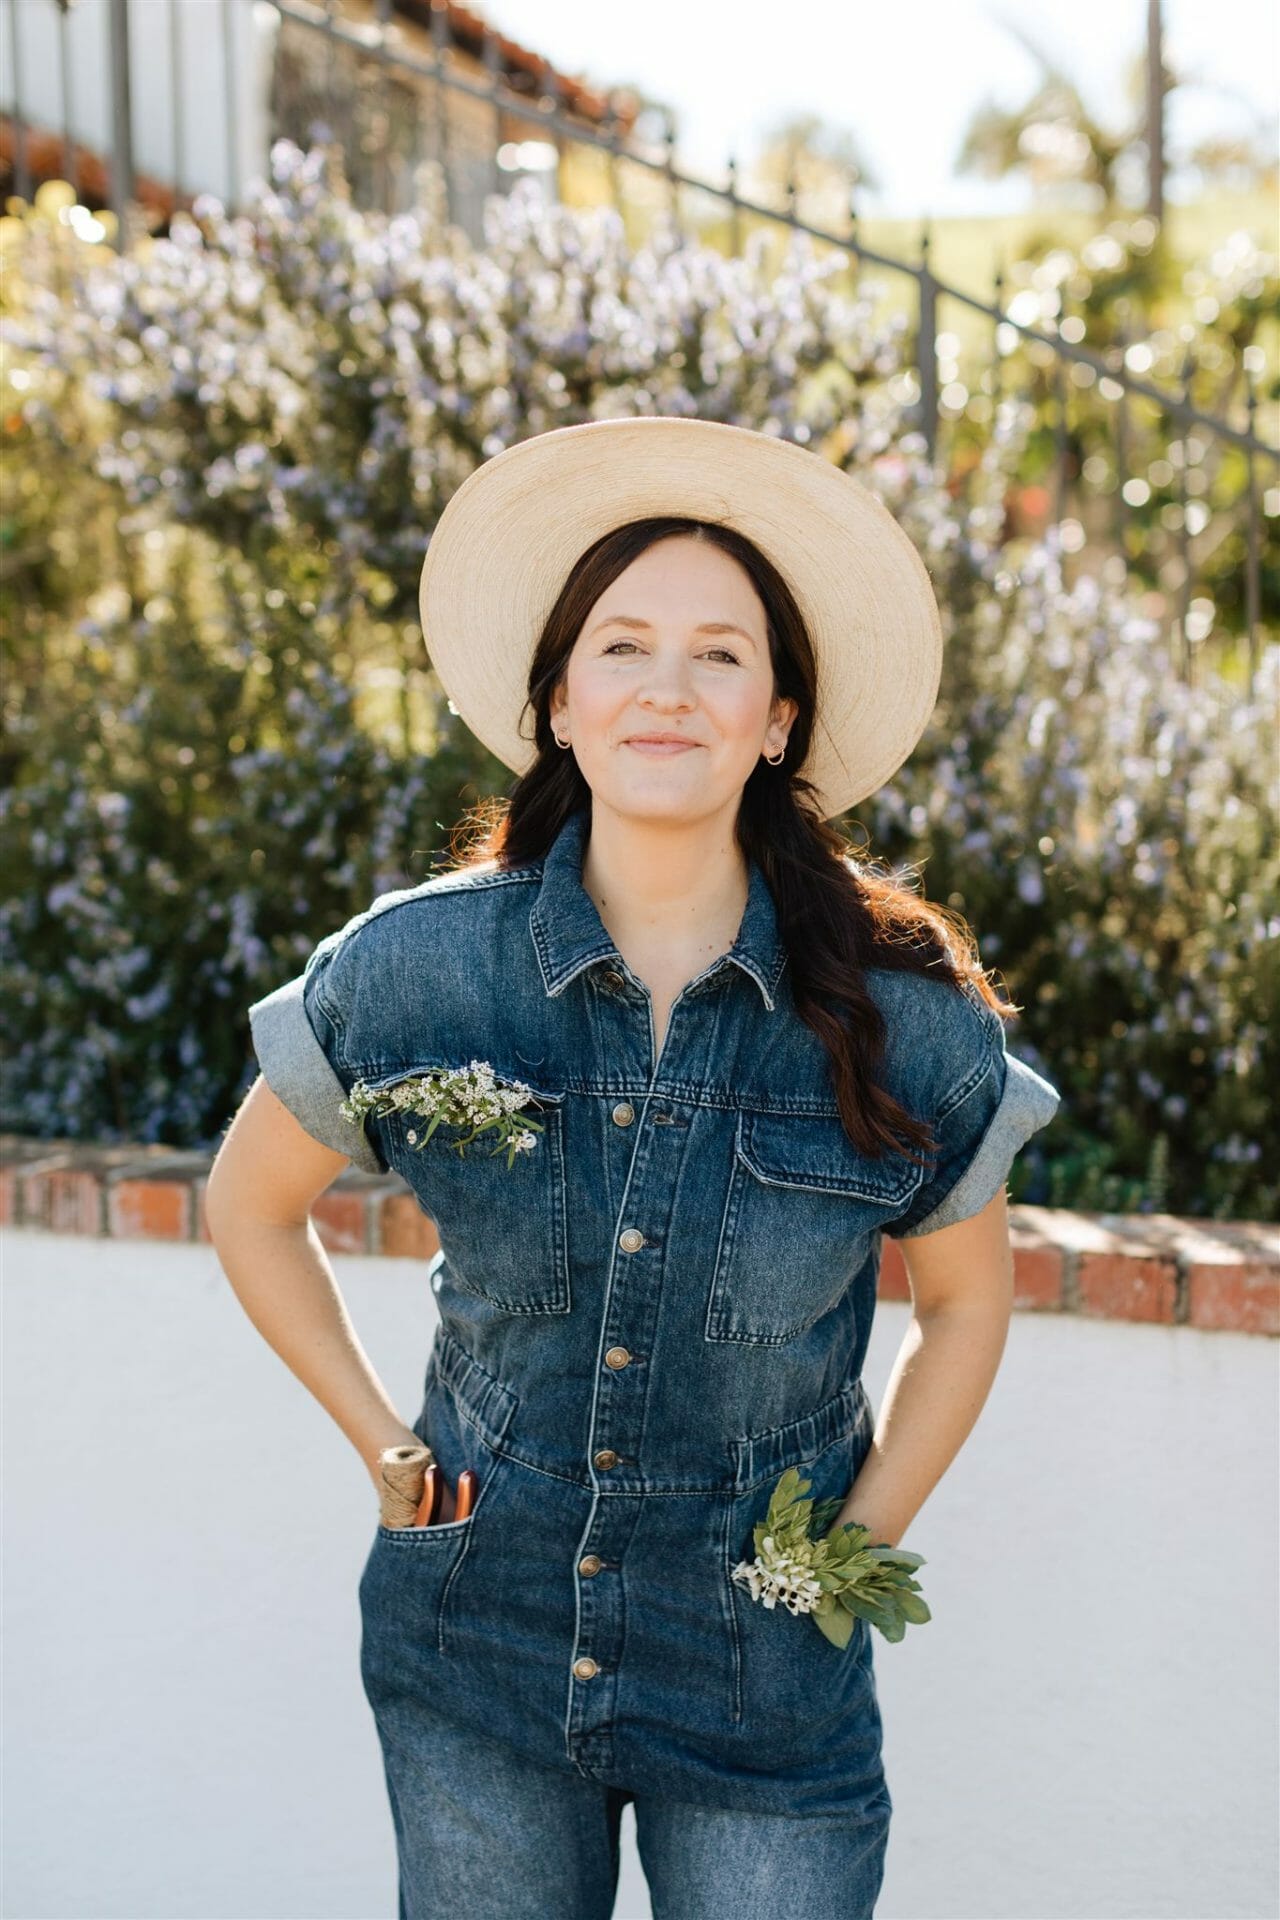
x,y
902,78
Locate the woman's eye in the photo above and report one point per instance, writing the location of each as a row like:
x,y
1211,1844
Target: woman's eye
x,y
723,651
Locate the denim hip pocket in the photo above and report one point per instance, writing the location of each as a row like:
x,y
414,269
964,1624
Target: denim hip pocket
x,y
410,1572
790,1684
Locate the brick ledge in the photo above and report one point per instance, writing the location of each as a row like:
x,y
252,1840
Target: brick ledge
x,y
1155,1268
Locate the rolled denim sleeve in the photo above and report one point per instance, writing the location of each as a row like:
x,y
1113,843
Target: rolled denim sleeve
x,y
296,1037
987,1116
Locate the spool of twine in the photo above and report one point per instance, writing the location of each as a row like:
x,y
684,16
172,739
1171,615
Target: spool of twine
x,y
402,1471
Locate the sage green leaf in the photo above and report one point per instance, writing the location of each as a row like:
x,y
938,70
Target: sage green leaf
x,y
836,1626
896,1556
824,1512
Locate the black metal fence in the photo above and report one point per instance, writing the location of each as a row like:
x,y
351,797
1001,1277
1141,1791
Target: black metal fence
x,y
1173,491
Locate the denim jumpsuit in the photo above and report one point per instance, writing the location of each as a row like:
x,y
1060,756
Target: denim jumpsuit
x,y
642,1323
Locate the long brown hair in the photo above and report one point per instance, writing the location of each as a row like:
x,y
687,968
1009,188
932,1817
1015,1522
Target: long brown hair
x,y
837,914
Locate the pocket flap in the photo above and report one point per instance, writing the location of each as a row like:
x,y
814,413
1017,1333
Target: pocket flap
x,y
813,1151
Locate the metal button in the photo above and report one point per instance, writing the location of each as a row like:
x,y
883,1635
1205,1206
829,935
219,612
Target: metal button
x,y
623,1114
611,977
631,1239
606,1457
585,1669
617,1357
590,1563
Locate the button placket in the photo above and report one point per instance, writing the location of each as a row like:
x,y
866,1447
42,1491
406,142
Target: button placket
x,y
599,1645
630,1309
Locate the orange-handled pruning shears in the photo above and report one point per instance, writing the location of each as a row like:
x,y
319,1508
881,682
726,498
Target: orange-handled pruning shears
x,y
430,1497
432,1491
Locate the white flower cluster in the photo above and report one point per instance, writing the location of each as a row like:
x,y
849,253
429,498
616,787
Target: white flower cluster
x,y
467,1096
774,1575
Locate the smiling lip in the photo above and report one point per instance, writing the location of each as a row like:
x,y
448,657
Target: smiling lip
x,y
660,743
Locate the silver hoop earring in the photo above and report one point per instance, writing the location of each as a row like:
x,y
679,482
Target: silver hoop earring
x,y
782,754
561,743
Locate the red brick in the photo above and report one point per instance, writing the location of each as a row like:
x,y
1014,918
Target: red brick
x,y
61,1198
199,1222
893,1283
1241,1295
141,1209
1124,1286
1038,1275
341,1220
404,1231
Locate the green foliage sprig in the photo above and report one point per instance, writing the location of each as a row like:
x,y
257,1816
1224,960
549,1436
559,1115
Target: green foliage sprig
x,y
832,1573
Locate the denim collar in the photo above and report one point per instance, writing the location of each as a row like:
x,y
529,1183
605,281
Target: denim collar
x,y
568,933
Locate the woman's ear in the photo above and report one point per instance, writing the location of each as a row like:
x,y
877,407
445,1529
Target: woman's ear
x,y
783,712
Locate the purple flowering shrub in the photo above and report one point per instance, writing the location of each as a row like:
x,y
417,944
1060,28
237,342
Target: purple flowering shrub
x,y
223,738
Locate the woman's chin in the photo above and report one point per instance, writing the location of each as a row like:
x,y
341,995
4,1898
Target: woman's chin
x,y
647,805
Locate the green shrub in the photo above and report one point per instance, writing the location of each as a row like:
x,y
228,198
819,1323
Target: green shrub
x,y
222,736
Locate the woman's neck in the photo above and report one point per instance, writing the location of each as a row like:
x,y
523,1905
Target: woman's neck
x,y
669,895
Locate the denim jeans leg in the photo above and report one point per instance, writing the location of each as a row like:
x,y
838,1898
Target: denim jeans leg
x,y
482,1833
706,1863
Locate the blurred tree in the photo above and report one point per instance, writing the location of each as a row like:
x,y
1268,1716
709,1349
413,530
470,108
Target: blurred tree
x,y
1063,146
826,164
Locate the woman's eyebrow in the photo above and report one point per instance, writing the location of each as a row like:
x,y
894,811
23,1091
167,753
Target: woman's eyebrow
x,y
646,626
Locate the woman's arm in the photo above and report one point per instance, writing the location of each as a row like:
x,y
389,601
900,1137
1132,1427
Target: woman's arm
x,y
267,1175
961,1280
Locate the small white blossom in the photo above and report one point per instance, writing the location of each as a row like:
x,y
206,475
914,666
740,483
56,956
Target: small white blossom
x,y
774,1575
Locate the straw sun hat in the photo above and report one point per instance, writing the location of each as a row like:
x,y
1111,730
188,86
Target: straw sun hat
x,y
506,541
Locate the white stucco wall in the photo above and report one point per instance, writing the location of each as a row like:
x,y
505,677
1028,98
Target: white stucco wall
x,y
1091,1731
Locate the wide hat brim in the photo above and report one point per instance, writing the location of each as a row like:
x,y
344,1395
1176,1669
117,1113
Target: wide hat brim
x,y
506,541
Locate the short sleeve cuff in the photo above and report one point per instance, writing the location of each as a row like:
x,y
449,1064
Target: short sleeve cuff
x,y
1027,1104
296,1068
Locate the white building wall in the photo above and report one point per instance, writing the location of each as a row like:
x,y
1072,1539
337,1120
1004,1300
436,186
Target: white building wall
x,y
215,160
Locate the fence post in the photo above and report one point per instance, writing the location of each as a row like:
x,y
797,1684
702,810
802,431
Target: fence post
x,y
493,78
735,211
1253,534
673,187
927,349
121,121
1186,654
611,154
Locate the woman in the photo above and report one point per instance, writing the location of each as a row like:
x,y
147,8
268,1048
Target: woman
x,y
741,1059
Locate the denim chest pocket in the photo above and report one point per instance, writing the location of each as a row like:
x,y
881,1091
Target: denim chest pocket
x,y
800,1212
503,1227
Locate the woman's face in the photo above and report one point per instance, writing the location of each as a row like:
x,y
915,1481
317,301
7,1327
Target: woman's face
x,y
676,647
